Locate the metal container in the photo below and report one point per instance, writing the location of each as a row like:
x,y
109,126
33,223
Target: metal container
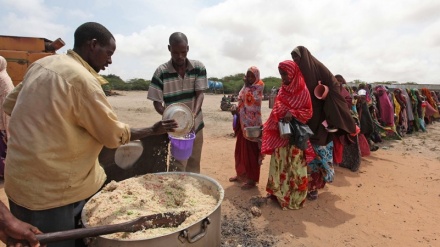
x,y
205,232
254,131
285,130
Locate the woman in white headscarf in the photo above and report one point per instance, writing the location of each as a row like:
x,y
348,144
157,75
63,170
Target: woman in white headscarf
x,y
6,86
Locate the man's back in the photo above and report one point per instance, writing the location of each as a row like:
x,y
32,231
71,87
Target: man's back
x,y
53,143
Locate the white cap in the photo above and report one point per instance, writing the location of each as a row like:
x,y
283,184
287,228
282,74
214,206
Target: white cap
x,y
362,92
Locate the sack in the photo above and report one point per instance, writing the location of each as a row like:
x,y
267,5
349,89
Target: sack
x,y
301,133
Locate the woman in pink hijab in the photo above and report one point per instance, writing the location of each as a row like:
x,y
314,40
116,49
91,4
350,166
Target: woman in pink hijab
x,y
247,150
386,109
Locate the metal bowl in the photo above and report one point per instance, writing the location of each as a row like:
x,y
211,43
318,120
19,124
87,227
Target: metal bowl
x,y
182,114
254,131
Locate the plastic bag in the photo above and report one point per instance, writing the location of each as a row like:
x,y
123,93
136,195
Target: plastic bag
x,y
301,133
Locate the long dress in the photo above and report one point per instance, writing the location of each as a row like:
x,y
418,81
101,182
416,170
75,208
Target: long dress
x,y
321,170
247,152
287,179
247,155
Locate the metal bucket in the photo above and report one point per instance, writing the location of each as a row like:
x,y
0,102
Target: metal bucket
x,y
285,130
205,232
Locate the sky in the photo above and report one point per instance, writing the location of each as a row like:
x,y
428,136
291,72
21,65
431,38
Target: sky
x,y
367,40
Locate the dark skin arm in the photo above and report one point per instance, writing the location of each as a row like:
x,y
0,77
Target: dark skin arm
x,y
12,230
199,101
158,106
158,128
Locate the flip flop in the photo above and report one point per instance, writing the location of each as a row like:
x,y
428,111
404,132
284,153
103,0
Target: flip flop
x,y
312,195
248,186
233,179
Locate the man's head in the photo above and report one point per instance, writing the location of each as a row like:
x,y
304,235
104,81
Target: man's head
x,y
95,44
178,48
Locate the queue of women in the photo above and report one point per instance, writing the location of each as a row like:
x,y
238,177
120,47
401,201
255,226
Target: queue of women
x,y
346,123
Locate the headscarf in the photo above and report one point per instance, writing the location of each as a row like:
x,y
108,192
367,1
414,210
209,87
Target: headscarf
x,y
434,96
386,108
431,107
333,109
294,98
409,111
6,86
429,98
249,102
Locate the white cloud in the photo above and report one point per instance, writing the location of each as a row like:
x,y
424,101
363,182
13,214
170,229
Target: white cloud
x,y
370,40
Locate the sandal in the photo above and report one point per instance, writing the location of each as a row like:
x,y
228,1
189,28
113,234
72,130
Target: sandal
x,y
233,179
248,185
312,195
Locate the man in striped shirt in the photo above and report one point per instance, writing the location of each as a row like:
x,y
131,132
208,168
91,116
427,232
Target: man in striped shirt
x,y
181,80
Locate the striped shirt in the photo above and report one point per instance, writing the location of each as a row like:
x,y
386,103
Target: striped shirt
x,y
168,87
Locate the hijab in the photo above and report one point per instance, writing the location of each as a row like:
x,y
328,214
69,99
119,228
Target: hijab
x,y
249,102
293,98
333,109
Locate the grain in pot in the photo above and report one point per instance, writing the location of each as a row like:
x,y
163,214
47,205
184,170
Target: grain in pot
x,y
149,194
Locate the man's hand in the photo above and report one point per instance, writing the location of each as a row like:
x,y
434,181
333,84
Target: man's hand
x,y
18,233
165,126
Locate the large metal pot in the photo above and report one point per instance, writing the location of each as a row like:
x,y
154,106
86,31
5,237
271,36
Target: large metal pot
x,y
205,232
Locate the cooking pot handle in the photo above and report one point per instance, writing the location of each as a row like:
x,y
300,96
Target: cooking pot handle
x,y
184,234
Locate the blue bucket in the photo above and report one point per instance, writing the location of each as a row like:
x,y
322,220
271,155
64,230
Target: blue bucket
x,y
181,148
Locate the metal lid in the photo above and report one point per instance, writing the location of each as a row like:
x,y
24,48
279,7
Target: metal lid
x,y
183,115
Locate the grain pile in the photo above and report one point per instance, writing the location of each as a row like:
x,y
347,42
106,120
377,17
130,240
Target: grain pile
x,y
146,195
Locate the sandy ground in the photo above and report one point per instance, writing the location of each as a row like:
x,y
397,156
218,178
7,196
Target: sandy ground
x,y
393,200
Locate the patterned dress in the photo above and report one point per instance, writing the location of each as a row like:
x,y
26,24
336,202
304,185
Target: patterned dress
x,y
287,181
288,177
247,152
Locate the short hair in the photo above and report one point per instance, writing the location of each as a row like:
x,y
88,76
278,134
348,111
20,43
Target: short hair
x,y
89,31
177,38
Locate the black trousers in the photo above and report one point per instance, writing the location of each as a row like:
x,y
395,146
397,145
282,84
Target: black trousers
x,y
52,220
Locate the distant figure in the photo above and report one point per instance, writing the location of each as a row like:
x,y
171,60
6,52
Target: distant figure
x,y
181,80
386,109
6,87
